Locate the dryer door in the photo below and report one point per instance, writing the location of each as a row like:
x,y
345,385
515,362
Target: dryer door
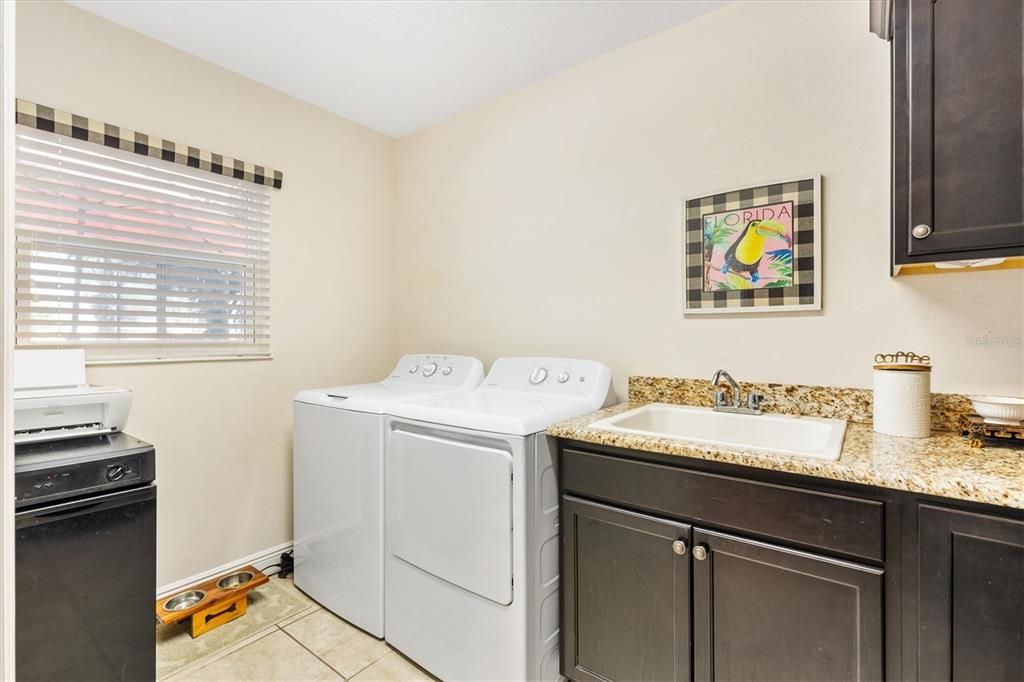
x,y
450,511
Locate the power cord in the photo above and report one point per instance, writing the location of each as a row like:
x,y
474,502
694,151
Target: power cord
x,y
285,568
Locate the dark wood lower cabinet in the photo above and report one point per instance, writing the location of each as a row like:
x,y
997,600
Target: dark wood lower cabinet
x,y
763,612
690,571
971,586
758,612
628,595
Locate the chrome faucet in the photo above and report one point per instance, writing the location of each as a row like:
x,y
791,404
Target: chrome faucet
x,y
754,400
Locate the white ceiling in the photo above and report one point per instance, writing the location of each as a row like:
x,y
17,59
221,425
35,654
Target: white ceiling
x,y
397,66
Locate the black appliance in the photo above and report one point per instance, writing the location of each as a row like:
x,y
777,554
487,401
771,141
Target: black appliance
x,y
85,559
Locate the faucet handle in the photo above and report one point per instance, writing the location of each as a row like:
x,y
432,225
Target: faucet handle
x,y
754,401
721,398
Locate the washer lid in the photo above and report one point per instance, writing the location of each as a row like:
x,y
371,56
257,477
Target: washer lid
x,y
374,398
415,376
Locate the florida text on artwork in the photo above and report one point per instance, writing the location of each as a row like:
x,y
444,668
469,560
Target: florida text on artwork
x,y
748,248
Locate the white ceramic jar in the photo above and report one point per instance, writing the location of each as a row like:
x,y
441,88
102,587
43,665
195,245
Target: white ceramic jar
x,y
903,400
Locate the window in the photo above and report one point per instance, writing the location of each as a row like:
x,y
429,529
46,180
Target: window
x,y
137,258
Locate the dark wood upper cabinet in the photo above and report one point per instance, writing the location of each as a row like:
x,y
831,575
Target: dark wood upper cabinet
x,y
958,131
626,589
971,586
763,612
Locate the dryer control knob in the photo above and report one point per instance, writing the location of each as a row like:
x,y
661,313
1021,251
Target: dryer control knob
x,y
563,377
446,370
429,369
414,369
538,375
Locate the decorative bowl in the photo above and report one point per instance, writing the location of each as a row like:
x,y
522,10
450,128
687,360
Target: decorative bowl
x,y
999,409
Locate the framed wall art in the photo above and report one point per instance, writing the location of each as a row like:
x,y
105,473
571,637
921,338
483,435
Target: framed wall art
x,y
753,250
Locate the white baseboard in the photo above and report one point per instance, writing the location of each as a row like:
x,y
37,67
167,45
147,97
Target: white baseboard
x,y
261,559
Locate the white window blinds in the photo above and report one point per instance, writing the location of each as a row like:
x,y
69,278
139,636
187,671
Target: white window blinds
x,y
132,257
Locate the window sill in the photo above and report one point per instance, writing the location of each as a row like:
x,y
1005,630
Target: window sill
x,y
174,361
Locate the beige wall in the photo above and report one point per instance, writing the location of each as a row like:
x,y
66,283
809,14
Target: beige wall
x,y
548,221
223,429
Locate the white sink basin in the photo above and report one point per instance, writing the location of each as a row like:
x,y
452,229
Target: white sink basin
x,y
812,437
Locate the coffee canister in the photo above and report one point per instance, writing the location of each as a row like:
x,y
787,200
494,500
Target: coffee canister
x,y
903,394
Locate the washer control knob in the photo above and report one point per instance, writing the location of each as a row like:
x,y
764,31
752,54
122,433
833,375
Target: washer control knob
x,y
563,377
446,370
429,369
414,369
538,375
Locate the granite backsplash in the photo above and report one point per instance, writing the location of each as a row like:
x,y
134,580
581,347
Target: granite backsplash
x,y
853,404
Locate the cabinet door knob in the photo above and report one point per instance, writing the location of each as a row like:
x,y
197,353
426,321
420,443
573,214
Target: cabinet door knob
x,y
921,231
679,547
700,552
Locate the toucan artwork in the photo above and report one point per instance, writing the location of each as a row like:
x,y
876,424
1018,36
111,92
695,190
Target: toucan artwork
x,y
758,255
753,249
746,253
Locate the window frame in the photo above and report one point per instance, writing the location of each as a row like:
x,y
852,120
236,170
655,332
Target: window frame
x,y
164,346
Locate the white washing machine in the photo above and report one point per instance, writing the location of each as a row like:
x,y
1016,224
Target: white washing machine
x,y
338,462
472,517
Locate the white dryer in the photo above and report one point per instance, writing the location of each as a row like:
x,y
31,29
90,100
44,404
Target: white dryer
x,y
472,517
338,463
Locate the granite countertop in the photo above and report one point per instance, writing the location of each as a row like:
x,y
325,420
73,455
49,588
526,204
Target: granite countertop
x,y
943,465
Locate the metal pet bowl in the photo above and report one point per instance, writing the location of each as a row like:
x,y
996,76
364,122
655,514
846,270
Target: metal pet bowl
x,y
184,600
230,582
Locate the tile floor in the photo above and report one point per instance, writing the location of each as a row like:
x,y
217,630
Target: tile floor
x,y
283,636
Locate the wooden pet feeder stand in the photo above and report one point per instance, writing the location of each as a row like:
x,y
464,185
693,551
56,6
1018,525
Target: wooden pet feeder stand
x,y
212,603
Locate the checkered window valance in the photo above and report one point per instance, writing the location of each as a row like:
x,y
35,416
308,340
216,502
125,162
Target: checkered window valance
x,y
90,130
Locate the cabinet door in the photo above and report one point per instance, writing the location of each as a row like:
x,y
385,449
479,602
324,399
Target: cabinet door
x,y
761,612
971,587
85,578
625,595
958,69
